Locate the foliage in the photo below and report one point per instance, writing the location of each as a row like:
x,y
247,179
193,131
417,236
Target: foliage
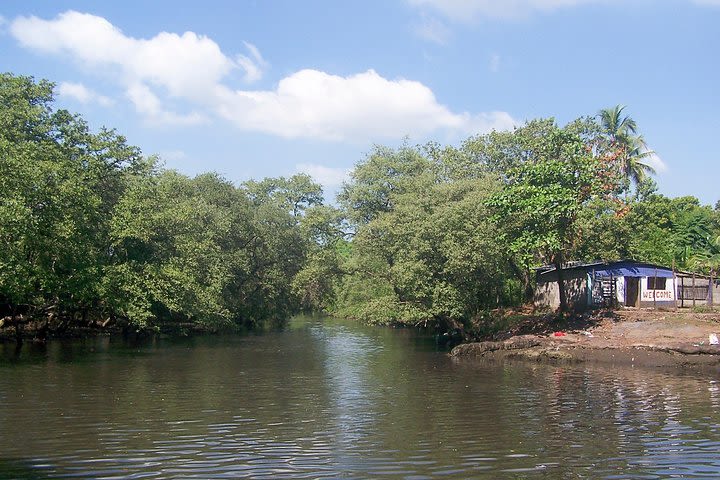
x,y
93,232
631,150
424,250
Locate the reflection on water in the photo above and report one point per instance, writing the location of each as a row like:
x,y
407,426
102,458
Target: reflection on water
x,y
334,399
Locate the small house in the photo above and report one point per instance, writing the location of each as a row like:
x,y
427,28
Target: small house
x,y
627,283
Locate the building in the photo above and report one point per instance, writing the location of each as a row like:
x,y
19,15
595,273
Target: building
x,y
626,283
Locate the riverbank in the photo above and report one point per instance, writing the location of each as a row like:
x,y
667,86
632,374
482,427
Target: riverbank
x,y
628,336
40,331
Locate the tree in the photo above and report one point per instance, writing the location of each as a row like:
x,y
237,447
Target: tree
x,y
708,260
542,198
632,151
296,193
377,181
60,184
424,250
617,125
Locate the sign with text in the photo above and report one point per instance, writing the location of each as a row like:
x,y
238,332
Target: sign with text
x,y
649,295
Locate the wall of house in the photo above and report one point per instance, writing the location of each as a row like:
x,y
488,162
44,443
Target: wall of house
x,y
620,290
547,292
660,298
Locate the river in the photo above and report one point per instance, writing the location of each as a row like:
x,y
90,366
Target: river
x,y
326,398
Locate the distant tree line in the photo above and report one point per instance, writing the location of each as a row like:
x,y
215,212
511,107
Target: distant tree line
x,y
94,233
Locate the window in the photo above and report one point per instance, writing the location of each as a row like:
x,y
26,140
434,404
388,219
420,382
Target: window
x,y
656,283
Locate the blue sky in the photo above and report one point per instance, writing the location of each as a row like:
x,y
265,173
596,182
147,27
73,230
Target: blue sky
x,y
260,88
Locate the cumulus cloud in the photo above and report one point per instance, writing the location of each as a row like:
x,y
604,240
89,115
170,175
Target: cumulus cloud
x,y
312,103
467,10
182,66
328,177
82,94
191,69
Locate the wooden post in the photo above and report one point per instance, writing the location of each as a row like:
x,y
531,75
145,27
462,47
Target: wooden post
x,y
675,287
682,288
655,290
693,289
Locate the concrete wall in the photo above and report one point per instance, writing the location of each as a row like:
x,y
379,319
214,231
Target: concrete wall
x,y
547,293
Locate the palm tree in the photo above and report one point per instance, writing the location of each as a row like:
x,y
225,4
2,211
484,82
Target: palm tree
x,y
634,160
622,134
617,125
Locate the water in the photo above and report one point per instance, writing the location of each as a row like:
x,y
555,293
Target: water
x,y
331,399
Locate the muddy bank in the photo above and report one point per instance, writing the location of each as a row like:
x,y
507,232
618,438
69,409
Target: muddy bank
x,y
654,339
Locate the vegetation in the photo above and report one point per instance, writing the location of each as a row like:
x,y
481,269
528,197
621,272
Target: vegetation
x,y
95,233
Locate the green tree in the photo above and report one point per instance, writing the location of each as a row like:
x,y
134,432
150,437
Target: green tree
x,y
296,193
424,249
708,260
542,199
631,150
60,184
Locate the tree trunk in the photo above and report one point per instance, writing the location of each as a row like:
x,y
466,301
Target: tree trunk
x,y
561,283
524,276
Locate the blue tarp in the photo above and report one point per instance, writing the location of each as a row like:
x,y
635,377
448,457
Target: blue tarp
x,y
622,268
632,271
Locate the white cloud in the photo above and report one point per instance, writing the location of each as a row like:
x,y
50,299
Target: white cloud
x,y
365,106
468,10
149,105
432,29
183,66
189,69
82,94
656,163
253,65
328,177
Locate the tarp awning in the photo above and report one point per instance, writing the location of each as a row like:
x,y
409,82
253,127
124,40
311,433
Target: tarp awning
x,y
632,271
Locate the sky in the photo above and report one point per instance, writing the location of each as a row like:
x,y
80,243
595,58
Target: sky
x,y
267,88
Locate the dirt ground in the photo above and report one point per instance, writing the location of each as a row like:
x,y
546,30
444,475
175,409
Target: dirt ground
x,y
634,327
626,336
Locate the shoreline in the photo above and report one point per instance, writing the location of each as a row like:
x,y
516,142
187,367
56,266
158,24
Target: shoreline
x,y
628,338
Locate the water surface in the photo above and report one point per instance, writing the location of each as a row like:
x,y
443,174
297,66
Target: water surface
x,y
332,399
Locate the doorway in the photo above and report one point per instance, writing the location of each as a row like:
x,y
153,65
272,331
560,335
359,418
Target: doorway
x,y
632,291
